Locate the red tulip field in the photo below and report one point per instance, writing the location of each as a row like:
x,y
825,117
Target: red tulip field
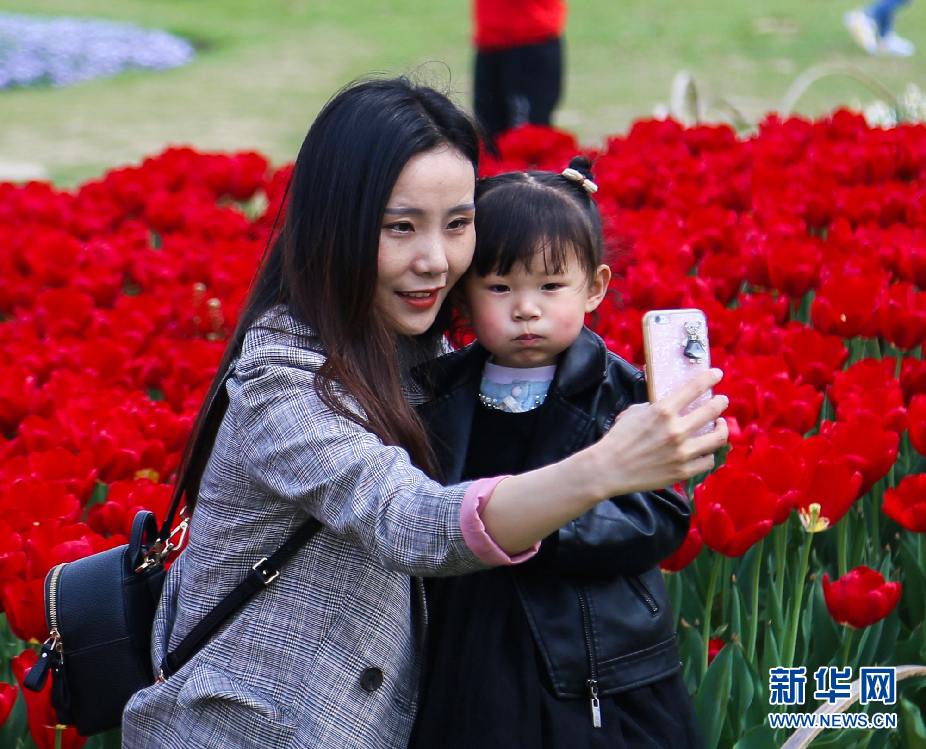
x,y
804,244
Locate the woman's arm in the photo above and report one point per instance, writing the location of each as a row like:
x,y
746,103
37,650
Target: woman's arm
x,y
648,448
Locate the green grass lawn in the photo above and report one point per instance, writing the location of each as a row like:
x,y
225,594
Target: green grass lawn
x,y
265,67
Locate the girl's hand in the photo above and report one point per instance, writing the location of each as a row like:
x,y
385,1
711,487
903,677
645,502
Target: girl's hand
x,y
651,446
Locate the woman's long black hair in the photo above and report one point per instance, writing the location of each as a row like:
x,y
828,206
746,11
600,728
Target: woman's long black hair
x,y
323,263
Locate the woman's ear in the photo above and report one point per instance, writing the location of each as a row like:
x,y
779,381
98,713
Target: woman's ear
x,y
598,287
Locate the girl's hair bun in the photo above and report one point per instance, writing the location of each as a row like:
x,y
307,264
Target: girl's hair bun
x,y
582,165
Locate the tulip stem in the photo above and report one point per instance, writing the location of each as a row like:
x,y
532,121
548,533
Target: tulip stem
x,y
58,731
754,618
842,545
797,596
846,646
781,542
708,605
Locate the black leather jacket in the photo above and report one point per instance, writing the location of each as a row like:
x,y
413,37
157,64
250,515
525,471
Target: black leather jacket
x,y
594,595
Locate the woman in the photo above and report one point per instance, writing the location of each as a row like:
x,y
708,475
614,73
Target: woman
x,y
321,422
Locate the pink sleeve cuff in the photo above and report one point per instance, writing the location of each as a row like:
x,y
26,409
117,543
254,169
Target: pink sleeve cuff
x,y
474,530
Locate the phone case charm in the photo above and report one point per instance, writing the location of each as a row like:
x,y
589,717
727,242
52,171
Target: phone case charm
x,y
694,346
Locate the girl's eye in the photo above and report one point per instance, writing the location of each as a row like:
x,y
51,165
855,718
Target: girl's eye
x,y
551,286
498,288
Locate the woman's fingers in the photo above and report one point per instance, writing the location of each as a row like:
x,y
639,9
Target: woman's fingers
x,y
703,415
692,390
710,443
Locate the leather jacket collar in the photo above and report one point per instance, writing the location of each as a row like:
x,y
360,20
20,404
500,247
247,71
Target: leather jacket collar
x,y
581,366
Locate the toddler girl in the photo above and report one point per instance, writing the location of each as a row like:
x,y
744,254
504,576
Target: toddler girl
x,y
575,648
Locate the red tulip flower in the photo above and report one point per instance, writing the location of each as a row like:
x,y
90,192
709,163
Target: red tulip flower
x,y
777,467
906,504
714,646
845,304
903,316
813,357
793,266
866,444
830,488
860,597
734,510
686,553
43,722
912,377
917,427
8,695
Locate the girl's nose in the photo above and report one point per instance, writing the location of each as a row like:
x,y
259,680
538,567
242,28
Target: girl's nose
x,y
526,309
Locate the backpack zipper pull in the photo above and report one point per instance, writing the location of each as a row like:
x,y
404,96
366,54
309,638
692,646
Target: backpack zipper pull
x,y
49,655
596,705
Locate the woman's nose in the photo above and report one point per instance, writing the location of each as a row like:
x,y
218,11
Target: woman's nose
x,y
432,257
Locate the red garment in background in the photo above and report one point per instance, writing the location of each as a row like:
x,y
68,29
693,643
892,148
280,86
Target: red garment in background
x,y
503,24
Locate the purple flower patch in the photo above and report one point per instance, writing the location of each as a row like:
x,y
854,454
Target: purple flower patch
x,y
62,51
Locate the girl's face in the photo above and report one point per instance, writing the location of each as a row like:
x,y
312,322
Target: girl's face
x,y
528,317
427,238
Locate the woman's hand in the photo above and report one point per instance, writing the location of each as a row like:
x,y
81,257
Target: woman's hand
x,y
651,446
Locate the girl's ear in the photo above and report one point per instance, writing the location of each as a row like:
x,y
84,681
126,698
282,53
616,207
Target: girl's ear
x,y
598,288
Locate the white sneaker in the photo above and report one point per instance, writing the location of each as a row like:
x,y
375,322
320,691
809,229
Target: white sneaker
x,y
863,29
896,46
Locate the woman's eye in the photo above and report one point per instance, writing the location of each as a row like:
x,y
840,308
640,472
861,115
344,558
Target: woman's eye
x,y
402,227
460,223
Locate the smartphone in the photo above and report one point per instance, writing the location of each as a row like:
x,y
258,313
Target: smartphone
x,y
677,349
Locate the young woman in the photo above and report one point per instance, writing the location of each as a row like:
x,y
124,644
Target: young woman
x,y
320,422
575,648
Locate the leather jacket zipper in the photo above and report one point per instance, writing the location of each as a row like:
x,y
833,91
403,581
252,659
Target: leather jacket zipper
x,y
592,682
640,587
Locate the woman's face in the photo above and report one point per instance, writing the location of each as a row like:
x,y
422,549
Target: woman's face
x,y
427,239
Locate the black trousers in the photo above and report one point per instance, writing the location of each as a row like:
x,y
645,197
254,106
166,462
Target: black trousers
x,y
518,85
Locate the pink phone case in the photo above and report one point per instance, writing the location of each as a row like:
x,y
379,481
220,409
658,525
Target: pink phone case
x,y
677,349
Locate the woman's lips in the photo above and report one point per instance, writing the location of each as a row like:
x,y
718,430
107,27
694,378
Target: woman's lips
x,y
419,299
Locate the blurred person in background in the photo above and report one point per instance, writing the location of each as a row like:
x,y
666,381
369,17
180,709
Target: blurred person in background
x,y
873,28
519,61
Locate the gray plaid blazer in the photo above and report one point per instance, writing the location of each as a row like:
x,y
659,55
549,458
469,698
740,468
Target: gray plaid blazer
x,y
329,654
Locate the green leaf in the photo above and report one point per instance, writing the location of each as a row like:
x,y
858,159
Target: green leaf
x,y
886,643
713,695
100,492
736,617
760,737
868,645
913,594
773,612
911,650
692,655
911,722
827,643
15,726
771,658
743,692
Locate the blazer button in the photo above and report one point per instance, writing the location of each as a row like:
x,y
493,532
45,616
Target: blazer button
x,y
371,679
